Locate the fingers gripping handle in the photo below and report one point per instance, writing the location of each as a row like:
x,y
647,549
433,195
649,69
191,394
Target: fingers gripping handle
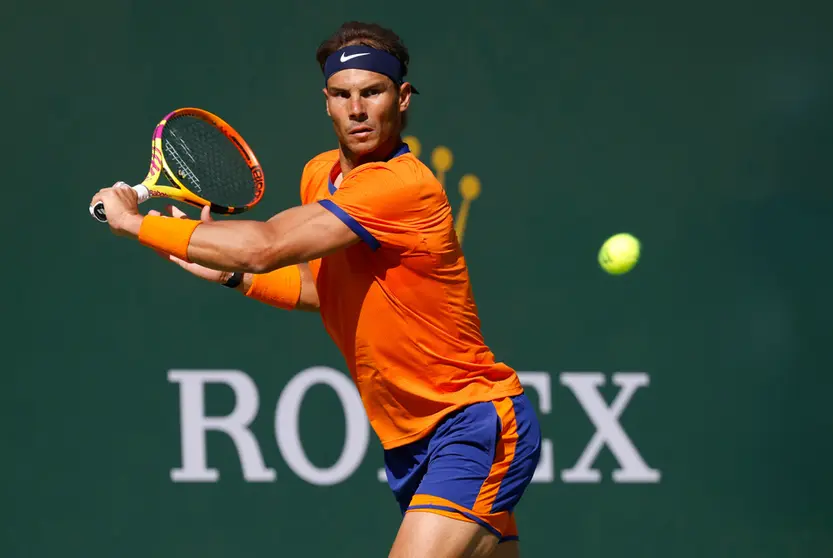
x,y
97,210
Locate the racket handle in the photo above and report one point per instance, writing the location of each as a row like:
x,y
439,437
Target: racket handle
x,y
97,210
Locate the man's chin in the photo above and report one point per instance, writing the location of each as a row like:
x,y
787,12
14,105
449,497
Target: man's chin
x,y
361,144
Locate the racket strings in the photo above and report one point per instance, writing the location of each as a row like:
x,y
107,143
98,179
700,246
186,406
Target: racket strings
x,y
207,162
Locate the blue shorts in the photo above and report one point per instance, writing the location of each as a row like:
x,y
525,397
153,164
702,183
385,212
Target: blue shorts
x,y
474,466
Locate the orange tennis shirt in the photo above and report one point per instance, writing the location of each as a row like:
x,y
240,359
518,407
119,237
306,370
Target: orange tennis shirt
x,y
399,304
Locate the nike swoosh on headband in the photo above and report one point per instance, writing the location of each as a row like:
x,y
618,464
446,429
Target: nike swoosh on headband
x,y
345,57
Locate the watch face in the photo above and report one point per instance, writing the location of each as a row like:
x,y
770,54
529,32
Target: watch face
x,y
234,280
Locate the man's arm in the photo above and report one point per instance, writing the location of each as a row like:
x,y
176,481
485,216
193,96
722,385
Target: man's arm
x,y
308,300
309,294
296,235
293,237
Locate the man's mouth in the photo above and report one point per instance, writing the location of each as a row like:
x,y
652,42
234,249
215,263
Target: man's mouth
x,y
361,130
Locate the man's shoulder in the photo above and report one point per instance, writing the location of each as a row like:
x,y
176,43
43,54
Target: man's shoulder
x,y
316,172
405,170
324,160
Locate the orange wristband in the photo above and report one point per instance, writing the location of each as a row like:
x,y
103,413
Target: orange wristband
x,y
168,234
281,288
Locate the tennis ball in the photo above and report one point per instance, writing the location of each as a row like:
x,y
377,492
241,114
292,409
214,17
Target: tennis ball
x,y
619,253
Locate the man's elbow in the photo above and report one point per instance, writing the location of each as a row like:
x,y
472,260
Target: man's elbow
x,y
272,250
267,255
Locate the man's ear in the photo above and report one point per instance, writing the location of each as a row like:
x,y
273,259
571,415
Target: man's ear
x,y
404,96
326,104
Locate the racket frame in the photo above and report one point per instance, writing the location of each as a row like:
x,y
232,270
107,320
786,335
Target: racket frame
x,y
151,188
177,190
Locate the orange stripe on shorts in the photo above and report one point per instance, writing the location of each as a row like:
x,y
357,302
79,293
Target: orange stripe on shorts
x,y
504,453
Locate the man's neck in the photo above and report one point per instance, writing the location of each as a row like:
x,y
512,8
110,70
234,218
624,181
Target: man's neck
x,y
348,161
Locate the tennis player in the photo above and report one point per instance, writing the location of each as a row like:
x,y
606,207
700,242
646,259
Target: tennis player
x,y
372,247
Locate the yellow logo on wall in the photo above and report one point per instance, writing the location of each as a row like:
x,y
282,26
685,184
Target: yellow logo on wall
x,y
469,186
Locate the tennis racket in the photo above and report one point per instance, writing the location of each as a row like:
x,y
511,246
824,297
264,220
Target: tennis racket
x,y
205,161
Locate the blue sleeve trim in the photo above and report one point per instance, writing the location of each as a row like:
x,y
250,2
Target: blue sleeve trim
x,y
354,225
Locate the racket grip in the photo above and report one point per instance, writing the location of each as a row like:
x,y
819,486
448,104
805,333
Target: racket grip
x,y
97,210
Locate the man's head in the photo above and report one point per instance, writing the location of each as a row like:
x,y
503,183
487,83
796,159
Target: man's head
x,y
364,66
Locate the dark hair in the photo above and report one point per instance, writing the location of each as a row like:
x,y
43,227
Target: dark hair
x,y
367,34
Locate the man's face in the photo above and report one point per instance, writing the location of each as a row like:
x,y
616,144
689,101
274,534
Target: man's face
x,y
366,109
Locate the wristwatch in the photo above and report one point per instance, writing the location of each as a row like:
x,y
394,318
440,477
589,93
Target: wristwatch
x,y
234,280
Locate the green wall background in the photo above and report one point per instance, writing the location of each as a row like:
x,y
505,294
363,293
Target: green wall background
x,y
705,129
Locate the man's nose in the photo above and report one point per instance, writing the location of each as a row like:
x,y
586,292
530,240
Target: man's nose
x,y
357,109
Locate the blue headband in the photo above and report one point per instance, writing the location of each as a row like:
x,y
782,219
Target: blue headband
x,y
360,57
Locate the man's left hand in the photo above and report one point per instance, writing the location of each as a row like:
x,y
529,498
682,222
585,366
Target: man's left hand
x,y
121,204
